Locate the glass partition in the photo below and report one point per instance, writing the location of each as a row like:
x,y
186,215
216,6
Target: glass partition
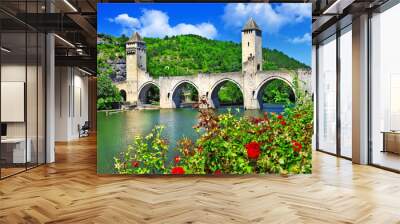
x,y
13,95
22,77
346,92
327,95
385,89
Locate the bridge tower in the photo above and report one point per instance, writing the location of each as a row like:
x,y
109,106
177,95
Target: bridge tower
x,y
135,66
251,47
252,61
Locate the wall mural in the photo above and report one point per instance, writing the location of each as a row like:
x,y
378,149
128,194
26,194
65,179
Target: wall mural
x,y
204,88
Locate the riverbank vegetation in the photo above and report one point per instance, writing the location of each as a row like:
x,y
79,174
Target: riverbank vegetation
x,y
108,96
187,55
229,144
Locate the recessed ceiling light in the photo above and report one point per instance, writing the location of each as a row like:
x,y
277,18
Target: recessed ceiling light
x,y
64,40
70,5
5,50
86,72
337,7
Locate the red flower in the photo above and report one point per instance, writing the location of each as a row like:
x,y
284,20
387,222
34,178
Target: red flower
x,y
253,150
177,159
280,116
200,149
296,146
283,123
135,164
255,120
217,172
178,170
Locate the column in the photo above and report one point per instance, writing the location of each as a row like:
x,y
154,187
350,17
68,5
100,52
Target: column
x,y
50,98
360,90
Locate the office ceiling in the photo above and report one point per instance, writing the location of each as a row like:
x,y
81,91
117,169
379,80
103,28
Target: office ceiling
x,y
328,13
74,22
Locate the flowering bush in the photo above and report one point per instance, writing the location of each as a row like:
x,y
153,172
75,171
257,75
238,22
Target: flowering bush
x,y
229,144
146,155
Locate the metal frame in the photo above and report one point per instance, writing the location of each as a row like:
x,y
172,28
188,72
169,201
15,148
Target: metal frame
x,y
338,98
369,100
316,97
0,91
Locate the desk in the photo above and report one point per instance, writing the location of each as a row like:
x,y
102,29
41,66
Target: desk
x,y
18,149
391,141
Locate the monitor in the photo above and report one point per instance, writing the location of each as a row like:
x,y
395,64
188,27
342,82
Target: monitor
x,y
3,129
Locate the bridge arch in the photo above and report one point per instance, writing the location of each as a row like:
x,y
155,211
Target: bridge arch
x,y
179,96
122,92
217,87
260,89
148,91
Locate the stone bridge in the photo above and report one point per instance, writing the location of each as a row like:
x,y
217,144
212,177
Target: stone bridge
x,y
251,80
208,85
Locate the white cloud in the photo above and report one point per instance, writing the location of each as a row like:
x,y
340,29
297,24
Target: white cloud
x,y
306,38
155,23
295,12
271,19
126,21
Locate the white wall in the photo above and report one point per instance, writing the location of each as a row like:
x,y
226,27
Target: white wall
x,y
34,124
61,103
12,73
71,102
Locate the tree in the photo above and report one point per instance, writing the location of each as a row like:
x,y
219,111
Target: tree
x,y
230,94
278,92
107,93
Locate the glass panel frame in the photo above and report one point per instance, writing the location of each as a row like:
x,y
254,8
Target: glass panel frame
x,y
384,83
13,77
24,61
345,93
326,106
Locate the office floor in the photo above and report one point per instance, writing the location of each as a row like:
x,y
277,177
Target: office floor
x,y
387,159
69,191
8,171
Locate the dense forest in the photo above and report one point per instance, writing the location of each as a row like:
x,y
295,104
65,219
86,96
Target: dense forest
x,y
186,55
192,54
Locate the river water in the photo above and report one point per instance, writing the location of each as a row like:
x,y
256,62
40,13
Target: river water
x,y
117,129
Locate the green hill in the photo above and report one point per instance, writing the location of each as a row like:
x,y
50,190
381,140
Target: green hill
x,y
184,55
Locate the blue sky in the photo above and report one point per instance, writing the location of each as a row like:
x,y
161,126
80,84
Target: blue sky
x,y
286,27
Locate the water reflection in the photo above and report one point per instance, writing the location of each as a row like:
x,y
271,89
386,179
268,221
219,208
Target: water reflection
x,y
117,130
